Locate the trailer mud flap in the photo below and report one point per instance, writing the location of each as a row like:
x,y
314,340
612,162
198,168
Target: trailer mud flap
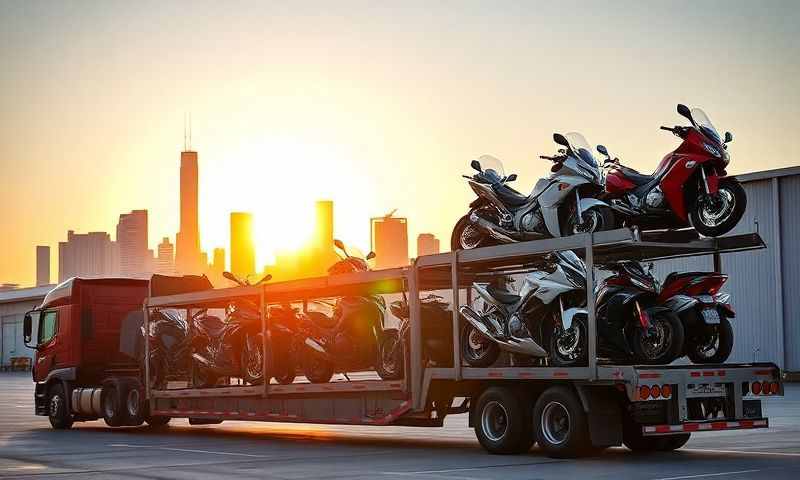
x,y
604,414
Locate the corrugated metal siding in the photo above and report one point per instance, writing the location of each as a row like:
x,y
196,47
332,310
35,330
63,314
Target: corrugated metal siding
x,y
790,266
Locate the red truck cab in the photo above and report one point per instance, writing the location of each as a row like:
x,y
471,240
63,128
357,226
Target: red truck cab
x,y
77,340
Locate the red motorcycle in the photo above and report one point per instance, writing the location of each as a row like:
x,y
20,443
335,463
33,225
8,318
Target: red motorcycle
x,y
704,312
690,187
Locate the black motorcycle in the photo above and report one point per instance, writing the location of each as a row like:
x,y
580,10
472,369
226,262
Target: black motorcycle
x,y
232,347
284,321
346,338
437,336
169,347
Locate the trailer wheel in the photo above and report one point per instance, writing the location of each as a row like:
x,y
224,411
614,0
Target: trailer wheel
x,y
562,429
673,442
57,413
111,400
503,423
157,421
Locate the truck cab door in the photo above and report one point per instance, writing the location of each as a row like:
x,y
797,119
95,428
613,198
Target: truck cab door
x,y
47,341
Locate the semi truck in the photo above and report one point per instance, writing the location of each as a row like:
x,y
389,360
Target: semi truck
x,y
87,366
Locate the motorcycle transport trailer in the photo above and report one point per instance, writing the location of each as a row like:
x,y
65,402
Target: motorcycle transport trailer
x,y
568,411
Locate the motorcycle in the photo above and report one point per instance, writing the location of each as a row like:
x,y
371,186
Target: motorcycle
x,y
690,187
437,335
229,348
284,324
695,298
562,204
632,324
169,347
539,316
346,335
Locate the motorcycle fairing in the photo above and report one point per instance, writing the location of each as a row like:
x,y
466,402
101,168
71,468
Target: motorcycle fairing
x,y
680,303
569,315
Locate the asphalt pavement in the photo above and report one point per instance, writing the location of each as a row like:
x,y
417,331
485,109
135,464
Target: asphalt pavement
x,y
245,450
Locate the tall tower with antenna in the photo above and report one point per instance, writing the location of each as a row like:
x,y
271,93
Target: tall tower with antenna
x,y
187,253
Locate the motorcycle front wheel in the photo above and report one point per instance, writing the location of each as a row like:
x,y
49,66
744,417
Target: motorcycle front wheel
x,y
662,342
568,348
316,368
596,219
252,361
477,350
715,215
390,356
467,236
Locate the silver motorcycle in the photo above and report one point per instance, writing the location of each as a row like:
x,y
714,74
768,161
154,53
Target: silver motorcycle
x,y
535,322
562,204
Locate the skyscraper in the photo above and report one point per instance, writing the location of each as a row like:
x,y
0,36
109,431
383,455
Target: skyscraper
x,y
218,264
389,239
132,240
165,261
243,255
187,256
42,265
427,244
86,255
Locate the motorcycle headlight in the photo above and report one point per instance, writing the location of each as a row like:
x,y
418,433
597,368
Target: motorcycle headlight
x,y
712,150
644,284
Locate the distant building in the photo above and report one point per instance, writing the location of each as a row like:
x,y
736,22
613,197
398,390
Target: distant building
x,y
427,244
389,240
165,260
13,306
42,265
134,257
218,264
243,255
187,254
87,255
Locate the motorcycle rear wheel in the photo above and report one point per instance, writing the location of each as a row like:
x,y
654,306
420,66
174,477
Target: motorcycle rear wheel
x,y
467,236
315,368
389,363
477,350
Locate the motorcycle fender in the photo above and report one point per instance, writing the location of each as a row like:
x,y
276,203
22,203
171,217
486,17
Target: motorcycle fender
x,y
680,303
589,203
569,315
727,310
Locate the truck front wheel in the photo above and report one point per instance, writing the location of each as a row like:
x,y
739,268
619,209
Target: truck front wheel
x,y
57,412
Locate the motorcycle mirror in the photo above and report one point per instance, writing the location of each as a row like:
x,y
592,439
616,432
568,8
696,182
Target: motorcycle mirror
x,y
265,278
475,165
560,139
603,150
684,111
728,137
511,177
370,255
232,278
338,244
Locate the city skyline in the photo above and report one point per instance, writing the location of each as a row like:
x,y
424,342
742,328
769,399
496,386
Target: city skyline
x,y
357,105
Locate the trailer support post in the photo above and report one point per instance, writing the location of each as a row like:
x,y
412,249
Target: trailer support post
x,y
456,332
416,337
264,340
590,306
150,401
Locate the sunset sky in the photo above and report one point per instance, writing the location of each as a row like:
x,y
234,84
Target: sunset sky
x,y
371,104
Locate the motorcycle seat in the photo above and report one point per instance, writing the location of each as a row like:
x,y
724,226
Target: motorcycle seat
x,y
509,196
634,176
502,296
677,275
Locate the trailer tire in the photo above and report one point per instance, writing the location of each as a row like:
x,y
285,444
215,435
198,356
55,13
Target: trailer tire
x,y
112,405
672,442
503,421
157,421
636,441
57,412
562,427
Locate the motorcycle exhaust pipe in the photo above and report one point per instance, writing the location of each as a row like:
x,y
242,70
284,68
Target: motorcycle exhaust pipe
x,y
495,231
523,346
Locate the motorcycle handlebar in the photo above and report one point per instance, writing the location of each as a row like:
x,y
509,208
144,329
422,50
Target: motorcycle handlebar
x,y
669,129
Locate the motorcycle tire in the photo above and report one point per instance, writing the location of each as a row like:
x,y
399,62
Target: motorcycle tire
x,y
673,326
557,355
479,357
203,378
315,368
456,242
697,338
389,364
739,197
603,219
250,375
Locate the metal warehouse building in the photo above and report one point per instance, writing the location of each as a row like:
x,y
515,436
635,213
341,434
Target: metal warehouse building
x,y
13,306
767,323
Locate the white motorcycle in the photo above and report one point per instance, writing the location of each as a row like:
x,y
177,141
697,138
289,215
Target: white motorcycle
x,y
533,322
562,204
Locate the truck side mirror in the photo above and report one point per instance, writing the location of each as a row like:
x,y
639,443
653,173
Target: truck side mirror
x,y
27,329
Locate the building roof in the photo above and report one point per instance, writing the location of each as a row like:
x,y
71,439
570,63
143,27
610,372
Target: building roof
x,y
24,294
767,174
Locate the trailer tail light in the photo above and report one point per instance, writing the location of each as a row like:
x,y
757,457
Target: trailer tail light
x,y
655,391
644,392
774,388
755,388
666,391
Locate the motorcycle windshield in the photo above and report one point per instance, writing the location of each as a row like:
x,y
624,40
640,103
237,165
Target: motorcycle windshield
x,y
580,148
704,124
492,168
573,267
